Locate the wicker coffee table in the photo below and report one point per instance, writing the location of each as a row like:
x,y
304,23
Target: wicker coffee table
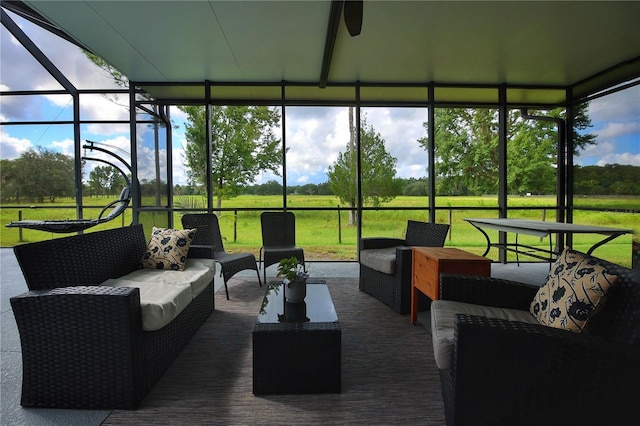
x,y
297,346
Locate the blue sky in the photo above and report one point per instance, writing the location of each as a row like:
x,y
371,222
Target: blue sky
x,y
315,135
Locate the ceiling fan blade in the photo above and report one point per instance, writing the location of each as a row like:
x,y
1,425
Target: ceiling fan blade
x,y
353,16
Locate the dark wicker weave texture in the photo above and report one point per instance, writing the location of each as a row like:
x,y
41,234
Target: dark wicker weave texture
x,y
511,373
294,358
83,345
278,239
86,259
394,290
208,235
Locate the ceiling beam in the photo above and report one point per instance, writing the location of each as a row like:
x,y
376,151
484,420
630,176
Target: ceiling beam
x,y
330,41
26,12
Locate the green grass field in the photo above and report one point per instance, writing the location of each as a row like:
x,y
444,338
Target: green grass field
x,y
321,237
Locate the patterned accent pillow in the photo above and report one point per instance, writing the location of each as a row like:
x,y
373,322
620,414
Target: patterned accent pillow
x,y
574,291
168,249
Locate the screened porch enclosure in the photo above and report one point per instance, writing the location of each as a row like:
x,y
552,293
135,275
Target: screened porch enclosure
x,y
391,97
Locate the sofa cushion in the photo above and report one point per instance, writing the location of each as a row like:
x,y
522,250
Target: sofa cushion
x,y
197,273
160,302
381,260
164,294
168,249
443,315
574,291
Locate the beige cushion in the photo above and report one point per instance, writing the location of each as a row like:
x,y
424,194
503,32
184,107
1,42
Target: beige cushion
x,y
164,294
574,291
443,314
197,273
160,303
381,260
168,249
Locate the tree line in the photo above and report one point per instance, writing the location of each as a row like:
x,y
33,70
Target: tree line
x,y
43,176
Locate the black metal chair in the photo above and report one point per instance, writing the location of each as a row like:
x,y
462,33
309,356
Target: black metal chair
x,y
392,285
278,239
207,235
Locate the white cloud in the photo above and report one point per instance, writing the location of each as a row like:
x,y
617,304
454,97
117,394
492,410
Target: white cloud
x,y
64,146
615,129
601,148
619,107
11,147
624,158
179,171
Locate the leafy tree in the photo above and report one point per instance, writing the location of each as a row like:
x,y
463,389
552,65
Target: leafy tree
x,y
467,150
105,180
309,189
10,189
39,174
378,169
324,189
611,179
269,188
243,145
416,187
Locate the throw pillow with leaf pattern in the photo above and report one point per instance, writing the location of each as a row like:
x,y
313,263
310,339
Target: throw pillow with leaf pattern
x,y
575,289
168,249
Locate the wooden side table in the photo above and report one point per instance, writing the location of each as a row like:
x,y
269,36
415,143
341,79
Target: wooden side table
x,y
429,262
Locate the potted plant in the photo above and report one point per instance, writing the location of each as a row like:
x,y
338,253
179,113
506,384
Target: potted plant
x,y
294,279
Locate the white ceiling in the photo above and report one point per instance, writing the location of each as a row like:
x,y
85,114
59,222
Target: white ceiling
x,y
540,43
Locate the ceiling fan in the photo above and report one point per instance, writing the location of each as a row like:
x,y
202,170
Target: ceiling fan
x,y
353,16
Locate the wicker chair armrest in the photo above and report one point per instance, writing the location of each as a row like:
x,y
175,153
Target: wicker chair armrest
x,y
519,369
200,251
380,242
74,339
487,291
78,312
404,257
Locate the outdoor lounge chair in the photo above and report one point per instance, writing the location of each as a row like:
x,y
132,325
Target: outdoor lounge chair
x,y
278,239
385,264
208,235
501,365
74,225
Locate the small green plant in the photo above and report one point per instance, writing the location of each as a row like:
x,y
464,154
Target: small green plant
x,y
291,270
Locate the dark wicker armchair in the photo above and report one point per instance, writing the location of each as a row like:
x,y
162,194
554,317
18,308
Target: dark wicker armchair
x,y
207,236
391,284
514,372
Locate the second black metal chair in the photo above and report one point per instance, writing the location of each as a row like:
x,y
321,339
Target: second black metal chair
x,y
278,239
208,234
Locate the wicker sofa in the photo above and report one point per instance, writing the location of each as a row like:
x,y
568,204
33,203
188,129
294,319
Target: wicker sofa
x,y
500,366
84,344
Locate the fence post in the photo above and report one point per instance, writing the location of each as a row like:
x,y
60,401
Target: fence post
x,y
450,222
20,228
339,226
235,226
544,217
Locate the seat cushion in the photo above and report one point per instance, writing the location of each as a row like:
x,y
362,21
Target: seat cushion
x,y
381,260
197,273
575,290
164,294
160,303
443,314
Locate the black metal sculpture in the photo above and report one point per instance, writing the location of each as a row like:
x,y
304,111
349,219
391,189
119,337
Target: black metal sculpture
x,y
108,212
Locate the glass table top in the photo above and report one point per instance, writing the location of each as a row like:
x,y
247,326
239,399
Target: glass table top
x,y
317,305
